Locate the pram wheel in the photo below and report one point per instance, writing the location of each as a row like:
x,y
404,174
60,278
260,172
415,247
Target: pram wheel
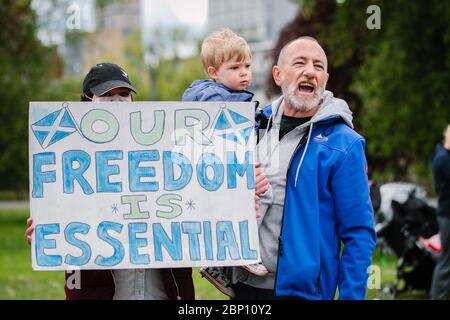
x,y
387,291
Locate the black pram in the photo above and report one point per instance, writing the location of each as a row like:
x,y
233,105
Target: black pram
x,y
406,223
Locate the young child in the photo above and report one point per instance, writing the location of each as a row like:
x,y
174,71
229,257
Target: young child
x,y
226,59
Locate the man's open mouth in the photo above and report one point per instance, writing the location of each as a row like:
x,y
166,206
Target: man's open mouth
x,y
306,88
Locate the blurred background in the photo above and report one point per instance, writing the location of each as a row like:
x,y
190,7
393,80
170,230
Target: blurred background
x,y
389,59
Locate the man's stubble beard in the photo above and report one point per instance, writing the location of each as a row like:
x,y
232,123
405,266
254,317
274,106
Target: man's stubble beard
x,y
304,104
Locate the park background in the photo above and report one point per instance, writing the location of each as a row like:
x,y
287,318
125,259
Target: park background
x,y
389,59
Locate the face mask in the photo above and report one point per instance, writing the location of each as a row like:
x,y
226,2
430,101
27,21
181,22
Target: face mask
x,y
116,97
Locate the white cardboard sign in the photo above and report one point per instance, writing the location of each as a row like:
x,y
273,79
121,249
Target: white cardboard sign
x,y
142,184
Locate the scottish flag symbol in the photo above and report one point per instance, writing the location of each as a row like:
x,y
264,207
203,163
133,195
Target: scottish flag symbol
x,y
232,126
54,127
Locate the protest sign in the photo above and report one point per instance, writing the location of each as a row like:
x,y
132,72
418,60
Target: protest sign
x,y
142,184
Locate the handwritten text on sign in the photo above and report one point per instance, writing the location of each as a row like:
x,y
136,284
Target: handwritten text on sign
x,y
142,184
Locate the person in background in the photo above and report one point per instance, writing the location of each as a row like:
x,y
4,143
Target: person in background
x,y
109,82
440,286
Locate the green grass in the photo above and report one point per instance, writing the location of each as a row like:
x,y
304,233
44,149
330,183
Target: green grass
x,y
13,195
204,290
19,281
387,266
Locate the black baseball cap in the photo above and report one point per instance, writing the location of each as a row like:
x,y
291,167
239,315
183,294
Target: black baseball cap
x,y
106,76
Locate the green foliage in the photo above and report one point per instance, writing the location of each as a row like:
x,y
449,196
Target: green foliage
x,y
24,64
101,4
66,89
395,78
175,78
28,70
173,74
135,66
403,84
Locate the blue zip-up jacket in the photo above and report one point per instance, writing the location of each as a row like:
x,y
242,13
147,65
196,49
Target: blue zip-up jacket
x,y
208,90
327,205
441,176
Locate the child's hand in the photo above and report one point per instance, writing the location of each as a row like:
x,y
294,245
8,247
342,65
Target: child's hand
x,y
261,181
29,230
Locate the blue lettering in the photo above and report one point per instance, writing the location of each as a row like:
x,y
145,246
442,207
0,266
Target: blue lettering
x,y
205,161
40,177
70,174
247,252
69,234
226,239
136,172
160,238
193,229
136,243
104,170
207,236
169,159
102,233
41,231
234,167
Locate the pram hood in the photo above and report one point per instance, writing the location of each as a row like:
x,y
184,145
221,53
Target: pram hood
x,y
405,213
399,192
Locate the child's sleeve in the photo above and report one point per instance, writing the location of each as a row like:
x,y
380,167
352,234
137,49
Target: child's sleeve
x,y
210,95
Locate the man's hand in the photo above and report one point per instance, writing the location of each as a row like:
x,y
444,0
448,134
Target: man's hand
x,y
258,214
261,186
261,181
29,230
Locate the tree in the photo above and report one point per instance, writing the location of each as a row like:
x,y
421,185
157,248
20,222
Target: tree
x,y
176,76
394,78
24,64
403,84
328,22
173,73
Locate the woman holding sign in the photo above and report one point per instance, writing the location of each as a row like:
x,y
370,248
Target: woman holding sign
x,y
109,82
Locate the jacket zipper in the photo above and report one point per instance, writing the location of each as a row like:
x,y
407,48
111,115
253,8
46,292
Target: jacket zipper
x,y
280,242
176,285
318,281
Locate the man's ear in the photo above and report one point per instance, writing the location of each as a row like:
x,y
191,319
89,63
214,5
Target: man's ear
x,y
276,73
328,77
212,73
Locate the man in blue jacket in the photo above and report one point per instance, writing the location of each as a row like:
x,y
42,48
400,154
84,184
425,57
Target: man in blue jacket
x,y
317,233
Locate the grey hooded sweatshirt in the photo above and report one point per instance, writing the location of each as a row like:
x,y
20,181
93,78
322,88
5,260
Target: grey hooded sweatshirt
x,y
275,157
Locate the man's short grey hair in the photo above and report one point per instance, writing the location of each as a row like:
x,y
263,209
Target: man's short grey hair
x,y
283,50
